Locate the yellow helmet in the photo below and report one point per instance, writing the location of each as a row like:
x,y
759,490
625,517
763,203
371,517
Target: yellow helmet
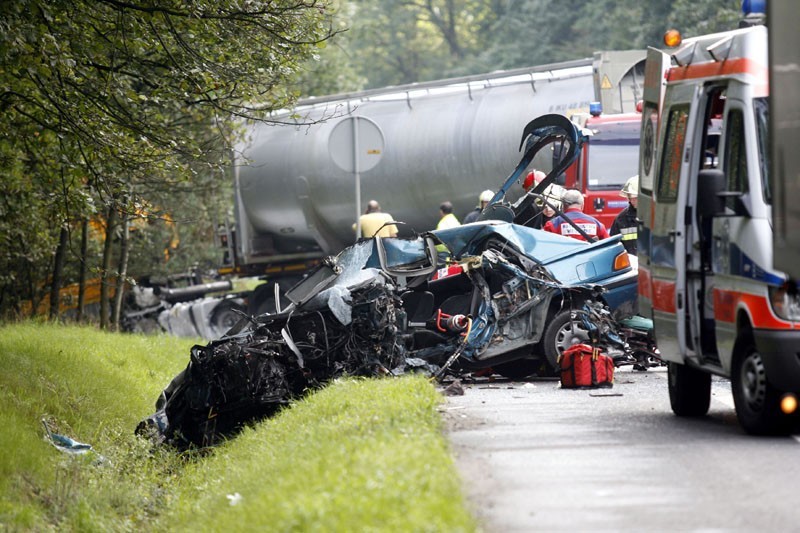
x,y
631,187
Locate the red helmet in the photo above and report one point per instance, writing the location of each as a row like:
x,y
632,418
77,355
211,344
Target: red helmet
x,y
533,178
528,183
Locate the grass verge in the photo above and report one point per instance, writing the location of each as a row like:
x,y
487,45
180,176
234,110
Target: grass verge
x,y
358,455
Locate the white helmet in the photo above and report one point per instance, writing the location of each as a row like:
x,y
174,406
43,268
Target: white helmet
x,y
631,187
486,196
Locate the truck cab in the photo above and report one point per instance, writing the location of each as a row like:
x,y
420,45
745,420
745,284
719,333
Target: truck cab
x,y
706,274
609,157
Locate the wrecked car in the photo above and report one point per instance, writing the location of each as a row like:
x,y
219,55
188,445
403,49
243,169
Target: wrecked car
x,y
503,296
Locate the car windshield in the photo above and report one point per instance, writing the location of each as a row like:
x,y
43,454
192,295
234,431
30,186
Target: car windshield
x,y
613,155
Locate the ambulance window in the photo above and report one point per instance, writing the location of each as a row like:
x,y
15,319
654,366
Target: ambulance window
x,y
648,147
761,107
670,174
713,127
735,155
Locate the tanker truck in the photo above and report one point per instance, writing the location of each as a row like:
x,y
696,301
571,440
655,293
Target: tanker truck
x,y
441,140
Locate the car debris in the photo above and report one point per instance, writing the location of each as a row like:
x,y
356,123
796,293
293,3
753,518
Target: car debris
x,y
504,296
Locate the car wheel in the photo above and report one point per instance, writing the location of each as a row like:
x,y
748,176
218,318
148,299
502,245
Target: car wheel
x,y
689,390
757,401
563,332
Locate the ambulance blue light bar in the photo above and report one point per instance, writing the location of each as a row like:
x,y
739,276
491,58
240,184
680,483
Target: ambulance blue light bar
x,y
754,6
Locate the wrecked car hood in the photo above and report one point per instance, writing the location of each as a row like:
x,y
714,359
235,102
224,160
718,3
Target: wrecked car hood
x,y
569,261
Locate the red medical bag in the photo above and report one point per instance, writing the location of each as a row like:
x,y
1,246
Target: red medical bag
x,y
584,367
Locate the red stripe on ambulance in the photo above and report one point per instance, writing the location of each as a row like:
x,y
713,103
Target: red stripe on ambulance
x,y
726,304
741,65
664,296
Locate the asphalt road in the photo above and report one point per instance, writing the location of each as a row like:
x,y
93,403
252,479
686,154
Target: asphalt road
x,y
535,457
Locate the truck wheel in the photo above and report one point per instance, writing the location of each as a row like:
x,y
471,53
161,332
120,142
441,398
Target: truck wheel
x,y
148,326
262,300
225,316
757,401
689,390
562,333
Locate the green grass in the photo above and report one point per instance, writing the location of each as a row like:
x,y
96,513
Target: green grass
x,y
364,455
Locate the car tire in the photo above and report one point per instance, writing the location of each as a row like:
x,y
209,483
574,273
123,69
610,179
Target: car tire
x,y
757,401
561,333
689,390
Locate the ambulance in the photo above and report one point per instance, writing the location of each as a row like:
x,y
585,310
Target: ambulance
x,y
706,274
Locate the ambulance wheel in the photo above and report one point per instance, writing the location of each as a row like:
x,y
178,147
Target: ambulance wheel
x,y
757,401
689,390
562,333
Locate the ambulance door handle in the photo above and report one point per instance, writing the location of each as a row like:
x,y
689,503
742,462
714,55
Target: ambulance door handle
x,y
672,234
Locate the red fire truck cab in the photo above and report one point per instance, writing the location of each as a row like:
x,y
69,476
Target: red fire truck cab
x,y
608,159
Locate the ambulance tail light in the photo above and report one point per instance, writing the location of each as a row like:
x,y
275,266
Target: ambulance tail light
x,y
785,301
622,261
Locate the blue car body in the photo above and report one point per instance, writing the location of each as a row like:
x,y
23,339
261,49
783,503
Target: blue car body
x,y
506,281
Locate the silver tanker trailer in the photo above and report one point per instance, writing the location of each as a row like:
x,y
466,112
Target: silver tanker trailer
x,y
441,140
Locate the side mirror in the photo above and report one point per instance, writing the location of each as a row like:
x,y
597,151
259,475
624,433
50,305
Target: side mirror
x,y
734,201
710,191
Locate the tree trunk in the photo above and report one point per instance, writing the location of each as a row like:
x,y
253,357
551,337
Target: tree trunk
x,y
82,279
111,221
122,272
447,26
58,271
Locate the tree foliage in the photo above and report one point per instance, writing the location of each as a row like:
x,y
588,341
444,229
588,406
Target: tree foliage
x,y
132,108
394,42
109,103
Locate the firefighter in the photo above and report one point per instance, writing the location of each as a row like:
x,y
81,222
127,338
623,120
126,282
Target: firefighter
x,y
536,213
626,223
483,200
573,210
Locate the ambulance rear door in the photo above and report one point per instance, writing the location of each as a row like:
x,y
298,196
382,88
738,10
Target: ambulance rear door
x,y
657,64
670,228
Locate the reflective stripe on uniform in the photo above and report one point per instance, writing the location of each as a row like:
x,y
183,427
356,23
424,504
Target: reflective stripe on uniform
x,y
629,234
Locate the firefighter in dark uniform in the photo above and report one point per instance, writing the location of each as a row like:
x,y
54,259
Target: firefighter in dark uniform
x,y
626,223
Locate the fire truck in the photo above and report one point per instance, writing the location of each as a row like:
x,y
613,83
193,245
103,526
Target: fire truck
x,y
606,162
706,274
